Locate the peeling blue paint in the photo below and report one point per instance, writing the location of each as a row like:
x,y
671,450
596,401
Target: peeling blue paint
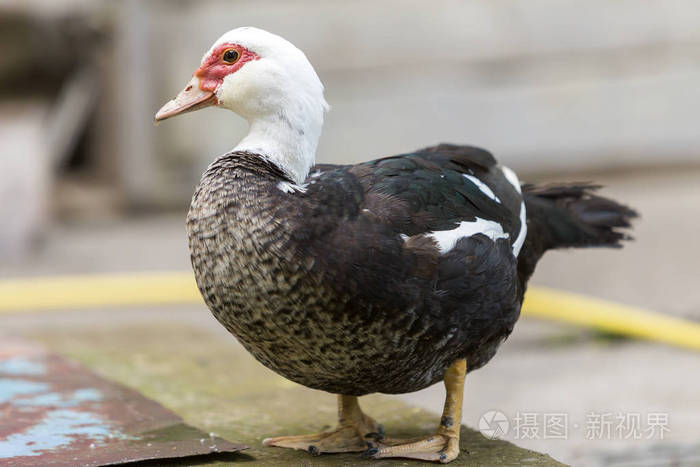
x,y
55,399
53,412
51,399
21,366
59,428
10,388
87,395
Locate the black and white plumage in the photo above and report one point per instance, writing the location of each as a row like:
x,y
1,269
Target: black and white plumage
x,y
375,277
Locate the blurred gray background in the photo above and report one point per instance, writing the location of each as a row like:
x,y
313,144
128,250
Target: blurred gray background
x,y
605,90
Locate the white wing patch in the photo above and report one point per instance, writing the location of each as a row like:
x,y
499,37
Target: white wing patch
x,y
447,239
512,178
520,239
288,187
482,186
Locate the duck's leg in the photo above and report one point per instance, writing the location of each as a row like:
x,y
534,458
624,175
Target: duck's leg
x,y
443,446
353,431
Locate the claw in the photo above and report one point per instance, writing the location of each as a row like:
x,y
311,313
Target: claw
x,y
313,450
370,452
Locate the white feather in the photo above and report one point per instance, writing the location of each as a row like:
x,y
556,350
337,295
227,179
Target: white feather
x,y
512,178
520,239
482,186
447,239
292,187
522,234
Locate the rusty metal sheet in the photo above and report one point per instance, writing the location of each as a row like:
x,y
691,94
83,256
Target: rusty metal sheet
x,y
56,412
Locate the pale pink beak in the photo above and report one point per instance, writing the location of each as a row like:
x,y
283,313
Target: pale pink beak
x,y
191,98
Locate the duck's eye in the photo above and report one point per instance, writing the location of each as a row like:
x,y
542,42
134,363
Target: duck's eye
x,y
230,56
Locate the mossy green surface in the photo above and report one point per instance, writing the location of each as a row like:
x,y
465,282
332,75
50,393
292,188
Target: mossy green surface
x,y
216,386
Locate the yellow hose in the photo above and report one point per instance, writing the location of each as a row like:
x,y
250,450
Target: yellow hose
x,y
71,292
576,309
166,288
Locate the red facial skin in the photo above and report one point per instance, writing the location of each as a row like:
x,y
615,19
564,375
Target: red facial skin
x,y
212,72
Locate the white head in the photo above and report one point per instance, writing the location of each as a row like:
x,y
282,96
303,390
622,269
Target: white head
x,y
269,82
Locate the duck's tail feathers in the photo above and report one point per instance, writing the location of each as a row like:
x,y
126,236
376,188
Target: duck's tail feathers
x,y
571,215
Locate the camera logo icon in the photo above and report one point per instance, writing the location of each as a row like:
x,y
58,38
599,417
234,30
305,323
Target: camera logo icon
x,y
494,424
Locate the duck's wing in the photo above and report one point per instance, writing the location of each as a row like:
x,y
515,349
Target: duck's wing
x,y
412,220
444,192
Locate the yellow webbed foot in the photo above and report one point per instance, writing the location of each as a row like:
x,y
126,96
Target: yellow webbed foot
x,y
354,433
436,448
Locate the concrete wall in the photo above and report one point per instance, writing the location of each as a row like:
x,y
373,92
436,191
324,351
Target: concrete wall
x,y
548,85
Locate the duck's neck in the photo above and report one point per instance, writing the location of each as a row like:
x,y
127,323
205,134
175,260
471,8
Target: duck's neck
x,y
286,139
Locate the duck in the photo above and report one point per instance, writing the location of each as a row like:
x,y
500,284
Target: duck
x,y
386,276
